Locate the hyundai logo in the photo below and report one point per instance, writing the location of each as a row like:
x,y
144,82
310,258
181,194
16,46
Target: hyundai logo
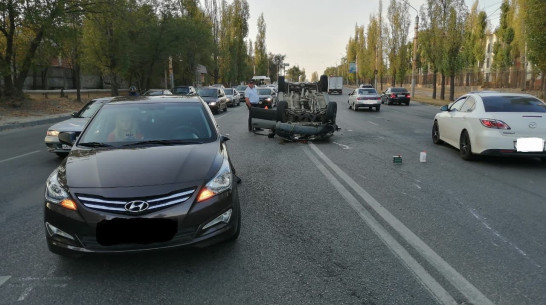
x,y
532,125
136,206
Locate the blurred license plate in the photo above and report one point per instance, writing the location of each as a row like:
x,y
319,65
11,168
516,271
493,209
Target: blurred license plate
x,y
401,95
64,146
530,144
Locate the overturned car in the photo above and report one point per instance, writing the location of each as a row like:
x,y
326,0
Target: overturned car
x,y
303,112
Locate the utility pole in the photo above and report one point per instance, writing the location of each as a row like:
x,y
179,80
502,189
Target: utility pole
x,y
414,64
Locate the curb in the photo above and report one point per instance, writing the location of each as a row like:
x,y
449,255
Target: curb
x,y
34,122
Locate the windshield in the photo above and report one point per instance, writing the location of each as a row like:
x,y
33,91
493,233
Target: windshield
x,y
264,91
241,88
513,104
119,124
208,92
90,109
228,91
181,90
399,90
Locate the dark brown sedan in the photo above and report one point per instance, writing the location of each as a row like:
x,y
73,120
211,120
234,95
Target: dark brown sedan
x,y
147,174
396,95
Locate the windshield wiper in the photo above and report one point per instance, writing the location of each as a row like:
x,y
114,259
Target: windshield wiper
x,y
164,142
95,144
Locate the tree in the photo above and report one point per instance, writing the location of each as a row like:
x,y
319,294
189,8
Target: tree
x,y
536,40
314,77
453,60
474,40
295,74
503,47
24,25
399,22
260,52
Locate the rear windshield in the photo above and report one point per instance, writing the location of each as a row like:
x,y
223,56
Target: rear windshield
x,y
399,90
367,91
513,104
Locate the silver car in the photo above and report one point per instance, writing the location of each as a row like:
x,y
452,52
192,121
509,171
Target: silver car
x,y
232,97
364,97
74,124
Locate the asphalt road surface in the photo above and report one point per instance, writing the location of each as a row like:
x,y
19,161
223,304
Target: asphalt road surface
x,y
333,222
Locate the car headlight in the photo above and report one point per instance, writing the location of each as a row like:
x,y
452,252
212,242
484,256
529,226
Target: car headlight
x,y
268,99
229,100
221,182
212,103
52,133
55,193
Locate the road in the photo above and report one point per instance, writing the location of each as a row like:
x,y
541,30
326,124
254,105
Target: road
x,y
333,222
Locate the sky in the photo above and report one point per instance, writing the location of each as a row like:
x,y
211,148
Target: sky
x,y
313,34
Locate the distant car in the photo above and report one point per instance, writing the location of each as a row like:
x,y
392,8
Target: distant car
x,y
156,92
396,95
241,89
497,124
268,97
232,97
184,90
145,174
364,98
366,86
215,97
74,124
218,86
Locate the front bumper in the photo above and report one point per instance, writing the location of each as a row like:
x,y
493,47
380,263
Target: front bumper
x,y
88,231
53,145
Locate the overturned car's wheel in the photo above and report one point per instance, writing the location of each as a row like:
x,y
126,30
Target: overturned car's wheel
x,y
323,85
281,111
281,84
331,113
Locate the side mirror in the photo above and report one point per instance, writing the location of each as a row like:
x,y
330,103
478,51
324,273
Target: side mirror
x,y
74,114
444,108
68,138
223,139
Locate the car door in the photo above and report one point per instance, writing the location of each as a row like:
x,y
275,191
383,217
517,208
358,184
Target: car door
x,y
352,98
451,122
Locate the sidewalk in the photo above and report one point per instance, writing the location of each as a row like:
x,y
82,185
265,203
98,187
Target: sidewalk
x,y
9,122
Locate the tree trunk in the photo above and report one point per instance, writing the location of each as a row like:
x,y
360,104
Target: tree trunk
x,y
434,80
452,87
443,87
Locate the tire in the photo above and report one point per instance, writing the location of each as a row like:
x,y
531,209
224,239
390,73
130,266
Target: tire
x,y
377,108
281,111
281,84
225,107
407,103
389,102
331,113
465,147
61,155
250,124
355,108
436,133
323,84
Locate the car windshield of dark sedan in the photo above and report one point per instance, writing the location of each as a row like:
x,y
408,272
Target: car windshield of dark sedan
x,y
150,123
208,92
499,103
228,91
366,91
264,92
399,90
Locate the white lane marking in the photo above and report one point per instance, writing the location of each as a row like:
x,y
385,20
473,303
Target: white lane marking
x,y
342,145
428,282
19,156
473,295
25,293
373,123
4,279
484,223
417,186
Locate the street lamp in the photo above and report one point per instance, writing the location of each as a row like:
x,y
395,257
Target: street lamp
x,y
414,64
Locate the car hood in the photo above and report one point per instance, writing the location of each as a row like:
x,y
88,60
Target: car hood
x,y
73,124
142,166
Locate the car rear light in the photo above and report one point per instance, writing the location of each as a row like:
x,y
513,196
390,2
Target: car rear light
x,y
408,95
393,95
497,124
359,98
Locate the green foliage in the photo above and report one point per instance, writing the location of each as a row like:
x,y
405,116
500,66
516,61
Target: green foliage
x,y
536,40
260,52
